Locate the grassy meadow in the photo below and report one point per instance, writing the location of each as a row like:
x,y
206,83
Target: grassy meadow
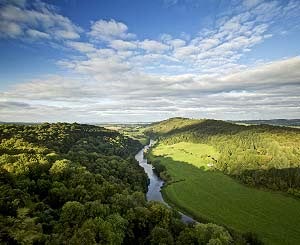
x,y
211,195
134,131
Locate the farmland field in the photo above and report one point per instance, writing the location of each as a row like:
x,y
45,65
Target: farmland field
x,y
211,195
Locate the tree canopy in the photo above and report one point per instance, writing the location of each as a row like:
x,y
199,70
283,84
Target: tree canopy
x,y
80,184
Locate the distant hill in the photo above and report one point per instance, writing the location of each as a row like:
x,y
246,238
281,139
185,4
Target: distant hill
x,y
278,122
20,123
172,124
263,155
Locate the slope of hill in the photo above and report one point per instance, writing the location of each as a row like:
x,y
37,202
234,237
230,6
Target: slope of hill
x,y
261,155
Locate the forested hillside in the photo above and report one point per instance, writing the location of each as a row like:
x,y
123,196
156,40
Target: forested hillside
x,y
277,122
79,184
258,155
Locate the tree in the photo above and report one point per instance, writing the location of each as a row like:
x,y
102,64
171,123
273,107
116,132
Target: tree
x,y
24,228
212,234
161,236
72,213
60,168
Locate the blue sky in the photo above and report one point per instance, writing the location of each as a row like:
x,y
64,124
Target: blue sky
x,y
100,61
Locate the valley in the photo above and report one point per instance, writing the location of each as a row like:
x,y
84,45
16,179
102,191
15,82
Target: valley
x,y
212,182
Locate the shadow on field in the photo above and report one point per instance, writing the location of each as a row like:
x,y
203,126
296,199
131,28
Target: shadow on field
x,y
211,196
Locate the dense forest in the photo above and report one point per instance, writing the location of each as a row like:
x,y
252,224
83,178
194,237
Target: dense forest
x,y
258,155
80,184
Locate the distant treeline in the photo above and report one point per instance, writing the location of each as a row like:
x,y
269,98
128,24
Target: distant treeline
x,y
80,184
258,155
276,122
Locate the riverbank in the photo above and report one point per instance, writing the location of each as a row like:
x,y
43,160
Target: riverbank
x,y
156,184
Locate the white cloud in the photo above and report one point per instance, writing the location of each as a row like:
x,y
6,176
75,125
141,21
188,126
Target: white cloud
x,y
153,46
186,52
282,72
122,45
14,2
173,42
81,46
208,43
35,20
251,3
10,29
177,43
66,34
37,34
108,30
258,92
100,65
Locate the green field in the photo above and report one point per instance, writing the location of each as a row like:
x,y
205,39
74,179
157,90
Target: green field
x,y
134,131
211,195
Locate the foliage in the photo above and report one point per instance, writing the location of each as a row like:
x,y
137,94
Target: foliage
x,y
77,184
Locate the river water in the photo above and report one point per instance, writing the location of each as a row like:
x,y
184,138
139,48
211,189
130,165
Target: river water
x,y
156,183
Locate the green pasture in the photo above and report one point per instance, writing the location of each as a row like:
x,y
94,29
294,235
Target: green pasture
x,y
207,194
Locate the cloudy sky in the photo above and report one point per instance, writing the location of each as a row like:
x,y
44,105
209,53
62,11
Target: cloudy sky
x,y
142,60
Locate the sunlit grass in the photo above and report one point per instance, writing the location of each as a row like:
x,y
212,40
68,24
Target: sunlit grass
x,y
200,155
220,199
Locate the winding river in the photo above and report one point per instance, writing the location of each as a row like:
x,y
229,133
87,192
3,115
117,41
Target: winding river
x,y
156,183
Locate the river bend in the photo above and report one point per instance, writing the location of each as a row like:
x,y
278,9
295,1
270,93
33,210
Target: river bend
x,y
155,183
